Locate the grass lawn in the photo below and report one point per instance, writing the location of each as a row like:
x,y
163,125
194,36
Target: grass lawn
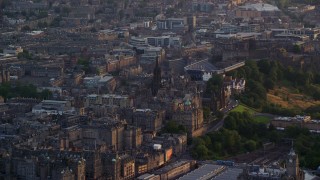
x,y
241,108
262,119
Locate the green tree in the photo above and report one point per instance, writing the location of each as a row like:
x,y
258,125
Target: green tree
x,y
25,54
84,63
296,49
250,145
294,131
219,114
269,84
56,22
206,112
121,14
5,3
230,123
93,30
26,28
65,11
200,151
214,85
45,94
173,127
283,3
264,66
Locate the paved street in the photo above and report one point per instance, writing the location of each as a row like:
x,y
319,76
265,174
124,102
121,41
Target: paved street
x,y
219,124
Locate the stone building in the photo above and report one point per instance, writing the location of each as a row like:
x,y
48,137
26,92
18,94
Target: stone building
x,y
188,113
299,121
147,119
122,101
65,174
4,75
105,134
132,137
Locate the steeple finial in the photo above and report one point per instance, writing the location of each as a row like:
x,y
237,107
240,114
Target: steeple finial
x,y
292,152
156,81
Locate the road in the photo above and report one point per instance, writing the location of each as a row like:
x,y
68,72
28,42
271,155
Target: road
x,y
265,114
215,127
219,124
231,105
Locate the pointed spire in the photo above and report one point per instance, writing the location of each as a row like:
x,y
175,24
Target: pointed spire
x,y
157,62
156,81
292,152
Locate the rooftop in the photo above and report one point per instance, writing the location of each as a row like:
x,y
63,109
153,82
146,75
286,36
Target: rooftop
x,y
230,173
204,172
260,7
202,65
171,166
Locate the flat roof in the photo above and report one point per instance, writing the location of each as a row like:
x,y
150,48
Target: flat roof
x,y
105,78
203,65
53,101
230,173
171,166
207,170
260,7
146,176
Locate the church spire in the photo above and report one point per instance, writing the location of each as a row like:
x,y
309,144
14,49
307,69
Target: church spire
x,y
156,81
292,152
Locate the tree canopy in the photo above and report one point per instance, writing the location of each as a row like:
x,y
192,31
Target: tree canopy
x,y
8,90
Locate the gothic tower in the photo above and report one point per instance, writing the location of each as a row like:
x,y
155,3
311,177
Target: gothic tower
x,y
293,169
156,81
4,75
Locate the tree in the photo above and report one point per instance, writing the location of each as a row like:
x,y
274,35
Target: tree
x,y
25,54
65,11
294,131
29,91
264,66
42,25
250,145
296,48
57,10
5,3
93,30
121,14
283,3
219,114
214,85
206,112
269,84
200,151
42,14
56,22
45,94
216,58
252,44
84,64
173,127
230,123
273,74
26,28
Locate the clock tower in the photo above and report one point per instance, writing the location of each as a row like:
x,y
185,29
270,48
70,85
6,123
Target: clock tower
x,y
292,162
